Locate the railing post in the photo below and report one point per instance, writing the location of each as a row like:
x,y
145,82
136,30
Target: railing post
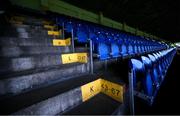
x,y
72,40
91,56
131,91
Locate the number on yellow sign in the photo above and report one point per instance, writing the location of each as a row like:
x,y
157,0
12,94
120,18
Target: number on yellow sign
x,y
81,58
104,87
115,91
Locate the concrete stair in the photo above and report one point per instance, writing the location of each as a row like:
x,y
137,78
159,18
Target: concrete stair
x,y
33,79
47,97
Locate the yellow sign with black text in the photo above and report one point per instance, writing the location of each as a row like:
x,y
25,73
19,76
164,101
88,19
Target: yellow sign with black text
x,y
113,90
47,22
49,27
82,57
61,42
16,22
54,33
74,57
17,18
91,89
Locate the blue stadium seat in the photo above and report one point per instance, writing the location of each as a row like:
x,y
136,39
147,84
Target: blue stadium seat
x,y
148,79
100,46
115,51
68,26
139,47
102,51
130,46
82,33
138,73
155,69
135,47
159,66
123,45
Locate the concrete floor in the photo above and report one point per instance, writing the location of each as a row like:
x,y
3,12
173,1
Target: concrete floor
x,y
98,105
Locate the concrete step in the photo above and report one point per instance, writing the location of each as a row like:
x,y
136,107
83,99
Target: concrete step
x,y
26,27
9,65
63,103
49,99
20,51
24,51
32,20
30,27
27,34
25,31
15,83
100,104
26,63
15,41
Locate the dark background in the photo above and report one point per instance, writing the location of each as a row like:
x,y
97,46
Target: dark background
x,y
158,17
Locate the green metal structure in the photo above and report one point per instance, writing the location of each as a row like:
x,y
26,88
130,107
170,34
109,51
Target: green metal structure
x,y
64,8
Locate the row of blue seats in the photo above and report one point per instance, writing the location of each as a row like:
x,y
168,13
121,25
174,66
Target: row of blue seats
x,y
109,43
149,71
124,45
115,49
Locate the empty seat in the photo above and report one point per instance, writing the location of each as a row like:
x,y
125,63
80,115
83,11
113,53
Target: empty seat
x,y
138,74
115,51
82,36
102,50
124,49
68,26
159,66
155,70
130,46
148,81
135,47
139,47
82,33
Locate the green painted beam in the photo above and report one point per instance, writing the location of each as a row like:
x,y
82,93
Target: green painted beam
x,y
32,4
64,8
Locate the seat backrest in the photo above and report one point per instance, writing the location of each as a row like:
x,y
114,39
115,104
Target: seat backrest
x,y
103,51
135,49
115,50
155,68
68,27
148,79
123,49
82,36
148,83
130,47
137,64
146,61
152,58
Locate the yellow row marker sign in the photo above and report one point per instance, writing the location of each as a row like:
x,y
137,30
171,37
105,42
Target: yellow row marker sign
x,y
47,22
54,33
74,57
113,90
91,89
17,18
49,27
16,22
82,57
61,42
